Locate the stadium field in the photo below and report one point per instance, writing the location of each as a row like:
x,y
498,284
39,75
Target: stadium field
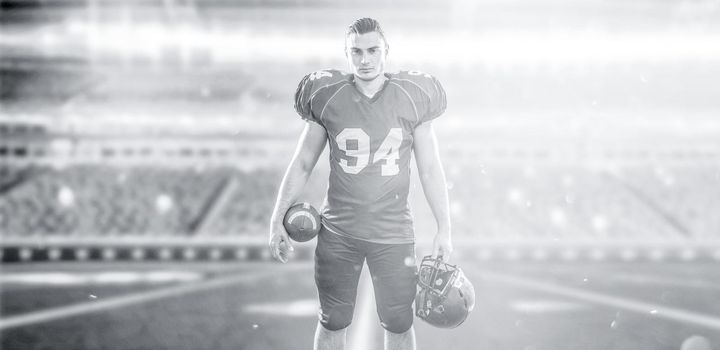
x,y
262,305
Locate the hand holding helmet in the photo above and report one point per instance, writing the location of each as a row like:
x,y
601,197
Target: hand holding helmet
x,y
446,296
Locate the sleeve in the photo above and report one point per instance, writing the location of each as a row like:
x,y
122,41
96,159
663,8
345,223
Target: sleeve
x,y
436,101
303,99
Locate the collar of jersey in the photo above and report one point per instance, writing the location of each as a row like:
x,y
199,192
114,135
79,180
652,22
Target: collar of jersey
x,y
377,93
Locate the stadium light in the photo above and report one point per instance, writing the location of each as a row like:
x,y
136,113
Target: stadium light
x,y
241,254
189,253
82,254
54,254
139,254
25,254
216,254
109,254
129,38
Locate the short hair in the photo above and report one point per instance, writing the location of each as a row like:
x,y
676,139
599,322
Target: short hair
x,y
366,25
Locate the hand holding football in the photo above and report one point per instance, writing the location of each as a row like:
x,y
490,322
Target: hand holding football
x,y
302,222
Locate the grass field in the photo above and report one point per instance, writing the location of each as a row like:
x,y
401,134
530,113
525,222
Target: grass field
x,y
262,305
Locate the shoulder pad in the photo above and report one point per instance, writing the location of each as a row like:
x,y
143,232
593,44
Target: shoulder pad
x,y
311,84
427,93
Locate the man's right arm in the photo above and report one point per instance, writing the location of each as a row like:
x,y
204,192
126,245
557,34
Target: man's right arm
x,y
310,146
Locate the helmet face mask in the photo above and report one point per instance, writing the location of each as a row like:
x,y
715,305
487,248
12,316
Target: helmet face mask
x,y
446,296
434,275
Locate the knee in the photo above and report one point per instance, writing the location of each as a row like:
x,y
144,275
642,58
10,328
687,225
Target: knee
x,y
336,318
397,322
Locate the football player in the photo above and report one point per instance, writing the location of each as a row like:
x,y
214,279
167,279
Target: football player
x,y
372,120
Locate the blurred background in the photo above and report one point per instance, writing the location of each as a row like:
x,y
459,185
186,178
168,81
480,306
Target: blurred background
x,y
160,129
566,120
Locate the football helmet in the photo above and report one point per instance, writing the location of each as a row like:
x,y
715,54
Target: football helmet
x,y
445,296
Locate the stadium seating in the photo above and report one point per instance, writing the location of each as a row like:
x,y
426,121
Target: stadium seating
x,y
690,194
491,201
99,200
551,202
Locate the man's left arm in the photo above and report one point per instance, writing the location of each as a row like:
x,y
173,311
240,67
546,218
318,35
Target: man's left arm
x,y
434,185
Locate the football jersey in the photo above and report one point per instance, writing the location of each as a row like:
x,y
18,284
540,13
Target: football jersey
x,y
370,147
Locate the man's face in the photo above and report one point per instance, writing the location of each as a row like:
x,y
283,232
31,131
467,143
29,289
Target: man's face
x,y
366,55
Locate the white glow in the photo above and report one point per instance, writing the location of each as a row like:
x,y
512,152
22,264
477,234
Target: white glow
x,y
457,209
545,306
66,196
215,254
495,48
150,40
116,277
599,223
668,180
241,254
82,254
139,253
171,276
100,278
54,254
25,254
529,172
558,217
189,254
515,195
109,254
163,203
298,308
43,278
165,254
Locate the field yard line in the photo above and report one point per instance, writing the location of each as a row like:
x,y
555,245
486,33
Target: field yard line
x,y
136,298
655,310
362,334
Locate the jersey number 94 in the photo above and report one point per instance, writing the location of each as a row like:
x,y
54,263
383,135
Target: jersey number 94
x,y
388,153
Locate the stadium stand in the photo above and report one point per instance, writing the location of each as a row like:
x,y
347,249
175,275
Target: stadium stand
x,y
688,194
105,201
552,203
488,202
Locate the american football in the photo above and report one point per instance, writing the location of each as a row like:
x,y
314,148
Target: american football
x,y
302,222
